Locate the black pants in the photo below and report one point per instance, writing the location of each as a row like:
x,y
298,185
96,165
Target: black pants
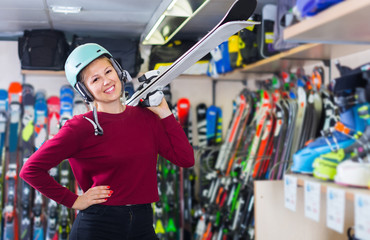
x,y
114,223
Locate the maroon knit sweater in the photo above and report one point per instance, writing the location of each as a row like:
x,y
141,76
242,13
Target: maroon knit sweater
x,y
124,158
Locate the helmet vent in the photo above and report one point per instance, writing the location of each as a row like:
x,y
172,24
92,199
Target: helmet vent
x,y
98,50
78,65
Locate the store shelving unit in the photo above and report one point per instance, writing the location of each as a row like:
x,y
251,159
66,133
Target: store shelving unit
x,y
273,219
350,191
42,72
346,22
301,55
336,32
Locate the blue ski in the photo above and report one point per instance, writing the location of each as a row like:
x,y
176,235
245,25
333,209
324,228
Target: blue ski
x,y
10,214
3,123
66,113
41,114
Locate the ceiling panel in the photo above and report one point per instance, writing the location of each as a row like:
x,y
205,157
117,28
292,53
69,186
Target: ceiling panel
x,y
18,20
108,17
22,15
102,16
21,4
101,29
109,5
117,23
8,29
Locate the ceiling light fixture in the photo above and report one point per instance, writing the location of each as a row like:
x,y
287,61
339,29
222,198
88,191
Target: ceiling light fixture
x,y
169,18
65,9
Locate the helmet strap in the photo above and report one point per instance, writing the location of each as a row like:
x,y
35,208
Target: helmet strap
x,y
99,128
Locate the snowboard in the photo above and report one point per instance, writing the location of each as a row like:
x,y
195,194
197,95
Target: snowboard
x,y
233,21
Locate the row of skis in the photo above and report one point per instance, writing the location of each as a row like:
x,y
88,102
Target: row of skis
x,y
292,121
27,120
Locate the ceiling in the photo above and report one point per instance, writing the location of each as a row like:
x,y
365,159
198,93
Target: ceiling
x,y
109,18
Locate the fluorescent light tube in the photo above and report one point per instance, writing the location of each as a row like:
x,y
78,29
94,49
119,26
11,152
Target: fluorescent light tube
x,y
169,21
65,9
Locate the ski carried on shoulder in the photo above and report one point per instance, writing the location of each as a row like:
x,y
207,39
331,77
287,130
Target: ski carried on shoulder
x,y
234,20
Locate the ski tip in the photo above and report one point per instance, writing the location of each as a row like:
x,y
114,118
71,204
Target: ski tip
x,y
40,94
15,87
53,100
3,94
241,10
15,91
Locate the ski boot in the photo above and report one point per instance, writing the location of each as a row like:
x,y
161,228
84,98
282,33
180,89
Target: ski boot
x,y
341,136
325,166
356,172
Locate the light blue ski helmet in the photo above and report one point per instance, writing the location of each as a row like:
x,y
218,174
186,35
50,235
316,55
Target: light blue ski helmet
x,y
80,57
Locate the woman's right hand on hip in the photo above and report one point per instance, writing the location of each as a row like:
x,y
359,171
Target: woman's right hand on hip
x,y
94,195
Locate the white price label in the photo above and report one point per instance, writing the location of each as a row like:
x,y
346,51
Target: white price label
x,y
312,192
362,216
335,206
290,192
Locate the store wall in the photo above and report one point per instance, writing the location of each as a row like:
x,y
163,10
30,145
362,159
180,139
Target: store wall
x,y
197,89
9,63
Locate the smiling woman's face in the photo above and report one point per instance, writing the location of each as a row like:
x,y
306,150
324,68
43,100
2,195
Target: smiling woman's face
x,y
102,80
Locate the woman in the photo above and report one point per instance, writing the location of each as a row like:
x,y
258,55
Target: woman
x,y
112,151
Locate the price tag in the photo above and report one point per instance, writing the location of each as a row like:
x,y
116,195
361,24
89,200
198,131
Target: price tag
x,y
290,192
335,206
362,216
312,192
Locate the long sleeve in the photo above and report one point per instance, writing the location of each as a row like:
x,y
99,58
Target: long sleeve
x,y
36,169
173,143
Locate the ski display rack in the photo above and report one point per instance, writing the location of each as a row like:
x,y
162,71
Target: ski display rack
x,y
27,120
324,42
258,146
